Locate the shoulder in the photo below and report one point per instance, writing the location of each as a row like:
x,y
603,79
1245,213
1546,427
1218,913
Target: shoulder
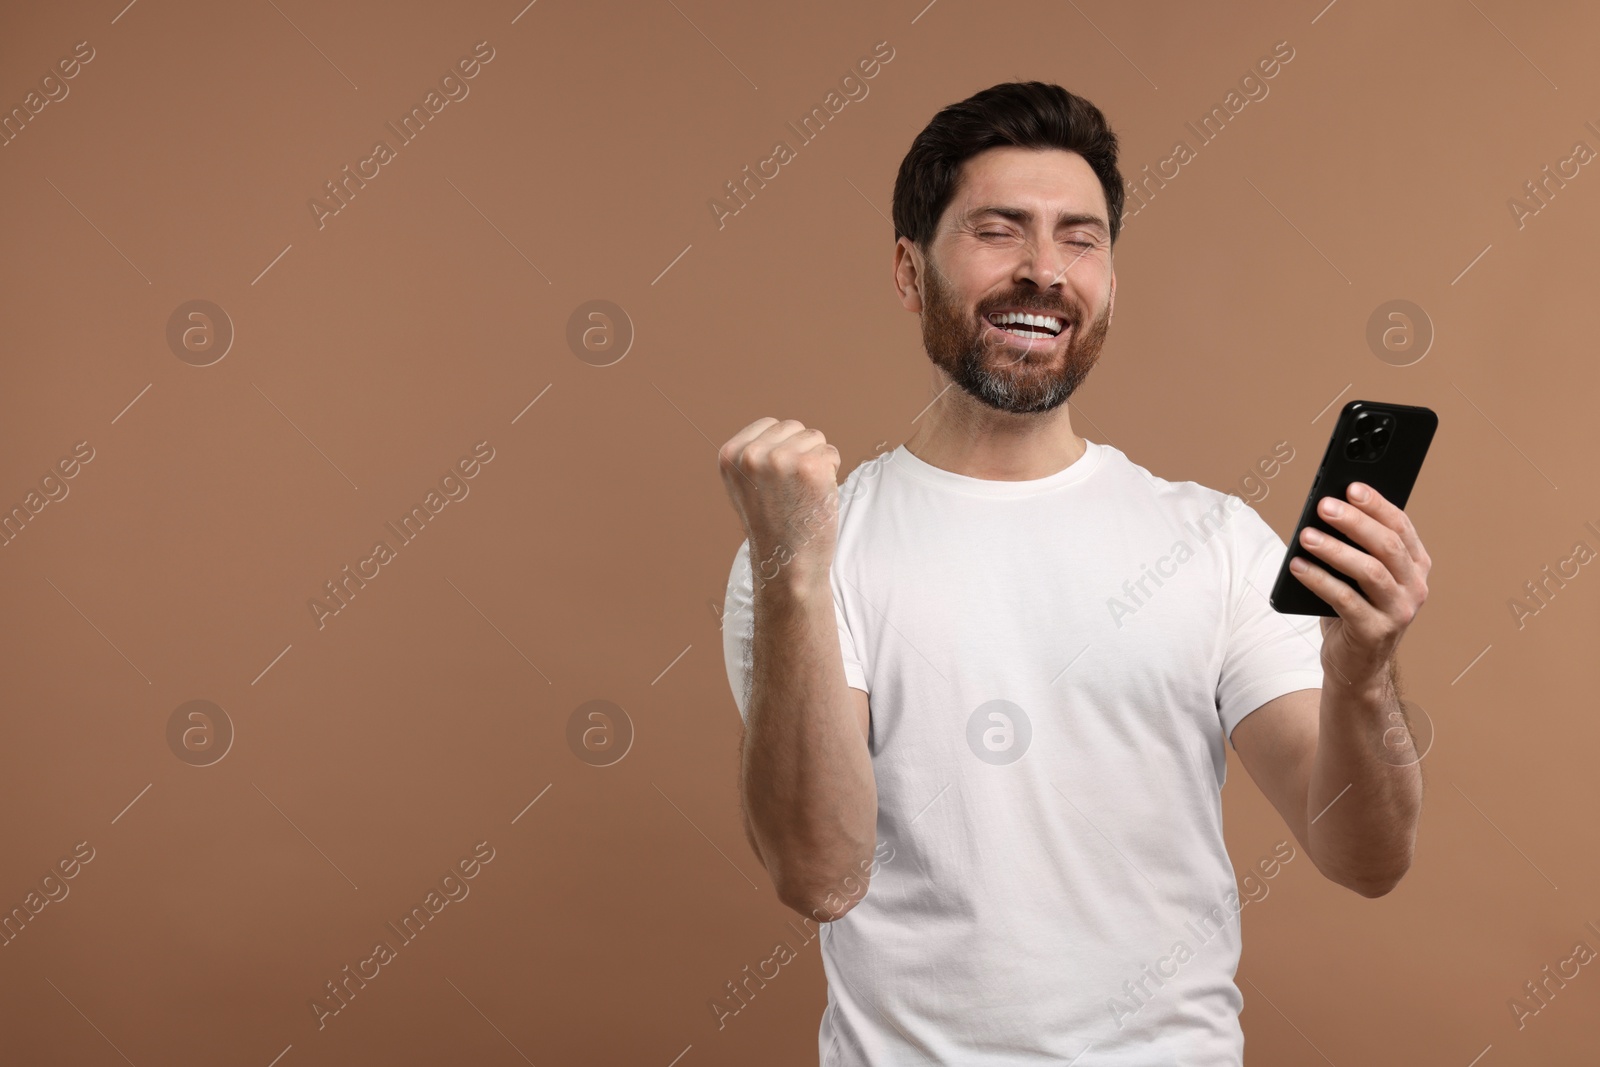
x,y
1183,495
859,485
1209,512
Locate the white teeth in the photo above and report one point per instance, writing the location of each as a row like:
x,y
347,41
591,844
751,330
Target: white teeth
x,y
1054,325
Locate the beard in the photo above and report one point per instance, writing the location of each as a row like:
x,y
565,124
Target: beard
x,y
1009,373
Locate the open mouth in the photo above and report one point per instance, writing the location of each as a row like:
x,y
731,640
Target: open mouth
x,y
1027,326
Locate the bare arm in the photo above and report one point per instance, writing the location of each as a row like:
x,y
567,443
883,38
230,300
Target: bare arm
x,y
1344,777
1342,768
810,800
1365,791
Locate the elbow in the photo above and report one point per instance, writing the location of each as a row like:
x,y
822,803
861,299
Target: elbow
x,y
1374,886
1370,882
824,905
825,908
1374,889
1372,874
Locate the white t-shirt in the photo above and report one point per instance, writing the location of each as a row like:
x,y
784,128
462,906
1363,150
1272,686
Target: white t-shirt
x,y
1052,668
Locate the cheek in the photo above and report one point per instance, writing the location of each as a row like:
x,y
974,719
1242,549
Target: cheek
x,y
1095,270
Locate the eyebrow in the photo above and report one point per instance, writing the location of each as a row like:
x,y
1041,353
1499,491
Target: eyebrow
x,y
1023,215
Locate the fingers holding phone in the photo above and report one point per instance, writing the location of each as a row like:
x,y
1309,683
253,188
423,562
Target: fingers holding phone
x,y
1380,446
1391,564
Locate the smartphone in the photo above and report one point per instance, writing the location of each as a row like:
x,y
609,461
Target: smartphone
x,y
1381,445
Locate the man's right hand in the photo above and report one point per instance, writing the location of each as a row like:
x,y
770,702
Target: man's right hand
x,y
783,481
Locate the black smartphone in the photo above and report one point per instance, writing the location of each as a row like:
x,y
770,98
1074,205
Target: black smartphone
x,y
1381,445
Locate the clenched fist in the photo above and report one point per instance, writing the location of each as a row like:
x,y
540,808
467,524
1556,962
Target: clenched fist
x,y
783,481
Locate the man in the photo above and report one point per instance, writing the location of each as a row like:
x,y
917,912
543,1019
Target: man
x,y
995,670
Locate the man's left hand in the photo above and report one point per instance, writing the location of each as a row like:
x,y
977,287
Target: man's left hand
x,y
1359,644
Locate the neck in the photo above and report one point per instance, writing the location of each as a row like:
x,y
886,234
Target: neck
x,y
964,436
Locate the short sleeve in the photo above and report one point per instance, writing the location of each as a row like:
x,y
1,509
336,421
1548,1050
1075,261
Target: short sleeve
x,y
738,629
1267,653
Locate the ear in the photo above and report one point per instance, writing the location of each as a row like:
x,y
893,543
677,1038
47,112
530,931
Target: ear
x,y
908,274
1111,300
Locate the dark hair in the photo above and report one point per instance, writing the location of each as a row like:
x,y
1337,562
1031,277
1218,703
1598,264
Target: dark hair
x,y
1024,114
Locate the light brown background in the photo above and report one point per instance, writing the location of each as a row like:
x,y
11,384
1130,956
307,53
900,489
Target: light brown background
x,y
594,549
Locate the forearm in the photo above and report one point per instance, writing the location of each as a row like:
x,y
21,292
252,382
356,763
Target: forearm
x,y
806,778
1365,794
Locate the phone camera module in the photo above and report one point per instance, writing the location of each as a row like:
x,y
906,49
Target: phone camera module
x,y
1373,431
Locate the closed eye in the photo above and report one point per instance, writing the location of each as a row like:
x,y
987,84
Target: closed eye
x,y
1000,233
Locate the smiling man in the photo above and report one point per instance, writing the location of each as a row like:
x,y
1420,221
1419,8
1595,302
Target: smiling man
x,y
923,655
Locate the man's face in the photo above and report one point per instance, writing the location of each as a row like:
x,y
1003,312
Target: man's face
x,y
985,262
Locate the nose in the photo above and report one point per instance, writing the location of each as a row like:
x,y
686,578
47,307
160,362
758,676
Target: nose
x,y
1046,262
